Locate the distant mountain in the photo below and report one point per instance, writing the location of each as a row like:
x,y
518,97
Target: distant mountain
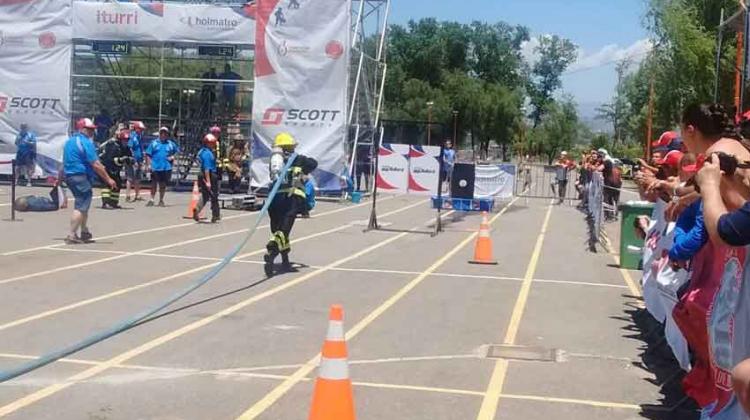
x,y
587,114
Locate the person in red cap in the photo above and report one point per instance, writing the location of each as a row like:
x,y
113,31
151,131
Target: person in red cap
x,y
114,154
133,172
665,140
80,164
220,161
670,163
207,179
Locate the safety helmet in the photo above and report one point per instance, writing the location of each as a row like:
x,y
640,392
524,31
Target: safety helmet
x,y
123,134
138,125
215,130
284,140
209,139
165,130
85,123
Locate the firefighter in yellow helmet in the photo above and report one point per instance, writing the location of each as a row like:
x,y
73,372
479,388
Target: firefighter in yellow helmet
x,y
289,200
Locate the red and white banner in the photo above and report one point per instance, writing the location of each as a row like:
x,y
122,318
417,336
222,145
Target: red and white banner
x,y
393,168
301,75
424,170
35,53
164,22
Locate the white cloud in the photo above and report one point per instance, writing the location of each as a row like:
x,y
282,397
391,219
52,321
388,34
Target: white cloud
x,y
608,54
611,54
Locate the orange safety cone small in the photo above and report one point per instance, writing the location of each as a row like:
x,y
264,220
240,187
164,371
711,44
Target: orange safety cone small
x,y
194,201
483,246
333,398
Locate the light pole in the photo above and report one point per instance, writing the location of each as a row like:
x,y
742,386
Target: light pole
x,y
455,127
429,122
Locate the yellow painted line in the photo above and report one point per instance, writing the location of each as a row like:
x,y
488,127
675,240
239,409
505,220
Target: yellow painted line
x,y
45,392
634,289
495,387
269,399
126,290
149,250
179,225
252,374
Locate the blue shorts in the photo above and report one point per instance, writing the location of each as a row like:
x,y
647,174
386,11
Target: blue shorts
x,y
80,187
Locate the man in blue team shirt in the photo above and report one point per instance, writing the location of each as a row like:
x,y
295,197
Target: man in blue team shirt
x,y
80,164
449,161
25,154
159,158
229,88
133,172
207,179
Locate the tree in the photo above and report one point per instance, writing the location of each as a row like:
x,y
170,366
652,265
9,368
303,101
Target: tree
x,y
600,140
681,65
559,128
555,55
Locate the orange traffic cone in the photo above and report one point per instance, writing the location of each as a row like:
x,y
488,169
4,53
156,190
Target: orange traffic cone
x,y
333,398
194,201
483,246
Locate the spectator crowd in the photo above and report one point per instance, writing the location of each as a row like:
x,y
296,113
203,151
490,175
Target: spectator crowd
x,y
695,253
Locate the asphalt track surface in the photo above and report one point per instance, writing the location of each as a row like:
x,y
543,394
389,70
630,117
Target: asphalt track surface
x,y
418,316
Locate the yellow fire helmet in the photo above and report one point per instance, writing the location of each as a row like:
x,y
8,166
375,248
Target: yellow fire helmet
x,y
284,140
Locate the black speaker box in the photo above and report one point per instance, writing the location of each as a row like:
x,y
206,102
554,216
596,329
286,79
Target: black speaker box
x,y
462,182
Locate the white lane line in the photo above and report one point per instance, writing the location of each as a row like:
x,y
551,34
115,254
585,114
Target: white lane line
x,y
176,226
119,292
150,250
357,270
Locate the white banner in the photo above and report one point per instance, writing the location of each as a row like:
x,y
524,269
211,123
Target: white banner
x,y
424,169
35,53
164,22
301,76
392,174
658,242
494,181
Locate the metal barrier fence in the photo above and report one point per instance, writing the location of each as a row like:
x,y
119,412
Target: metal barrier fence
x,y
594,191
536,180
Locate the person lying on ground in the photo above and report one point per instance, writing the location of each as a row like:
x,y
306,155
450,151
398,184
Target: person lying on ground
x,y
56,200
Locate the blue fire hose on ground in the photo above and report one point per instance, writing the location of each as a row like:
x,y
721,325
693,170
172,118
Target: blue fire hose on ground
x,y
52,357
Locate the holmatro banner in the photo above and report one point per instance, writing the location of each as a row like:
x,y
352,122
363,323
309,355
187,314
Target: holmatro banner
x,y
35,52
301,76
164,22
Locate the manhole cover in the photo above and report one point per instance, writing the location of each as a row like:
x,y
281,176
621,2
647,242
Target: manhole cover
x,y
534,354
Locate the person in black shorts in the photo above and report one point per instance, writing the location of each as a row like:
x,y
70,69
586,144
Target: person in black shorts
x,y
159,158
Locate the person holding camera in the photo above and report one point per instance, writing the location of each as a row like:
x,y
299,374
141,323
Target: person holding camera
x,y
114,154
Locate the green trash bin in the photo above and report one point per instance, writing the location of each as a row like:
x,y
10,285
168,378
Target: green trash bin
x,y
630,210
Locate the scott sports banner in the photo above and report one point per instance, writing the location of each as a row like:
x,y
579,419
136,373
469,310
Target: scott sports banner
x,y
301,77
35,52
392,174
494,181
424,169
164,22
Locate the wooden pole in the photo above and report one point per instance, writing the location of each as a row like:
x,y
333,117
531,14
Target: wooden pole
x,y
650,119
738,73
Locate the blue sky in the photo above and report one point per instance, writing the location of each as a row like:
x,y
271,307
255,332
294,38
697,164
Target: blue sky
x,y
605,30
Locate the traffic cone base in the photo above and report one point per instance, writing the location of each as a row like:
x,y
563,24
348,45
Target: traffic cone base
x,y
334,400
